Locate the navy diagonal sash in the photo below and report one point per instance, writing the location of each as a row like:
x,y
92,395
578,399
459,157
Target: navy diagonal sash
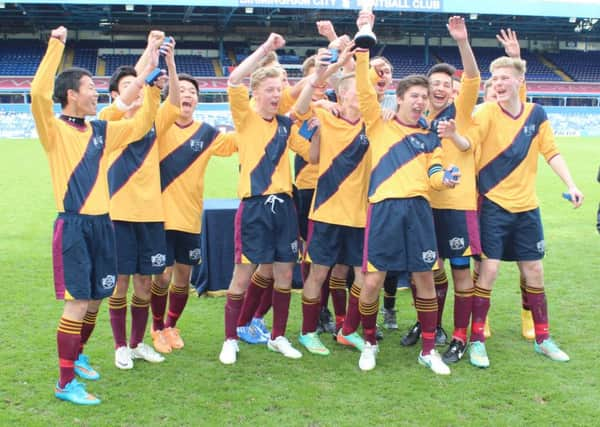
x,y
180,159
446,114
262,175
341,167
299,165
400,154
129,161
84,176
505,163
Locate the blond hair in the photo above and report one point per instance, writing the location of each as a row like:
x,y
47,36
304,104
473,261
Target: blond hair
x,y
518,64
309,63
262,74
268,60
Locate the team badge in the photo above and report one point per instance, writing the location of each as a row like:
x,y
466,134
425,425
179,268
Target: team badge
x,y
294,246
195,254
98,141
158,260
541,246
196,145
363,140
282,131
529,129
457,243
108,282
429,256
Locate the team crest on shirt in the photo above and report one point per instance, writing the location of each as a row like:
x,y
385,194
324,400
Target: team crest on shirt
x,y
158,260
363,140
417,143
151,133
529,129
541,246
429,256
282,131
195,254
294,246
457,243
108,282
98,141
196,145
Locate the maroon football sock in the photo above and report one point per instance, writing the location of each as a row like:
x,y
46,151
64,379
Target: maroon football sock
x,y
68,339
310,314
463,306
258,285
89,323
352,319
481,306
281,310
177,300
117,310
427,315
441,289
139,320
368,315
158,303
233,305
536,297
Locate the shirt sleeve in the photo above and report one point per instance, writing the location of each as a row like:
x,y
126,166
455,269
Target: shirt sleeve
x,y
123,132
477,131
111,113
547,144
466,101
42,86
239,102
225,144
435,170
367,97
298,144
287,101
166,116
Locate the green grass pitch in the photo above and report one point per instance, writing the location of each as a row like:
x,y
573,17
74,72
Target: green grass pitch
x,y
192,388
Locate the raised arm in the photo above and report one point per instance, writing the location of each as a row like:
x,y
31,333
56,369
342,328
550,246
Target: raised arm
x,y
155,39
458,31
248,65
42,87
325,28
323,69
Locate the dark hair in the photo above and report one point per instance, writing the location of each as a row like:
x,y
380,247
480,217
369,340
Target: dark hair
x,y
189,78
68,79
410,81
122,71
442,68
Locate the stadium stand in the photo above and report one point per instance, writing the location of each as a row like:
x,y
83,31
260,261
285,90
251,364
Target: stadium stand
x,y
581,67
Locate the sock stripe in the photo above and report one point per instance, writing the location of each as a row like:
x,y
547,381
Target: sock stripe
x,y
158,291
483,293
117,303
138,302
426,305
261,281
367,309
235,297
439,277
176,290
337,283
535,291
282,291
90,318
66,363
310,301
355,290
70,327
465,294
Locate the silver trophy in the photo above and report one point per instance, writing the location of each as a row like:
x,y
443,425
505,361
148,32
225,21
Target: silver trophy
x,y
365,38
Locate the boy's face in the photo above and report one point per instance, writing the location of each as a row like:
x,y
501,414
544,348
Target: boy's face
x,y
268,95
505,83
124,83
384,71
188,98
412,104
440,90
85,99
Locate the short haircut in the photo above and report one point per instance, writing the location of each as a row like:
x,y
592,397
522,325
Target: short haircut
x,y
122,71
263,73
442,67
268,60
68,79
504,61
409,81
487,85
384,59
189,78
309,62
